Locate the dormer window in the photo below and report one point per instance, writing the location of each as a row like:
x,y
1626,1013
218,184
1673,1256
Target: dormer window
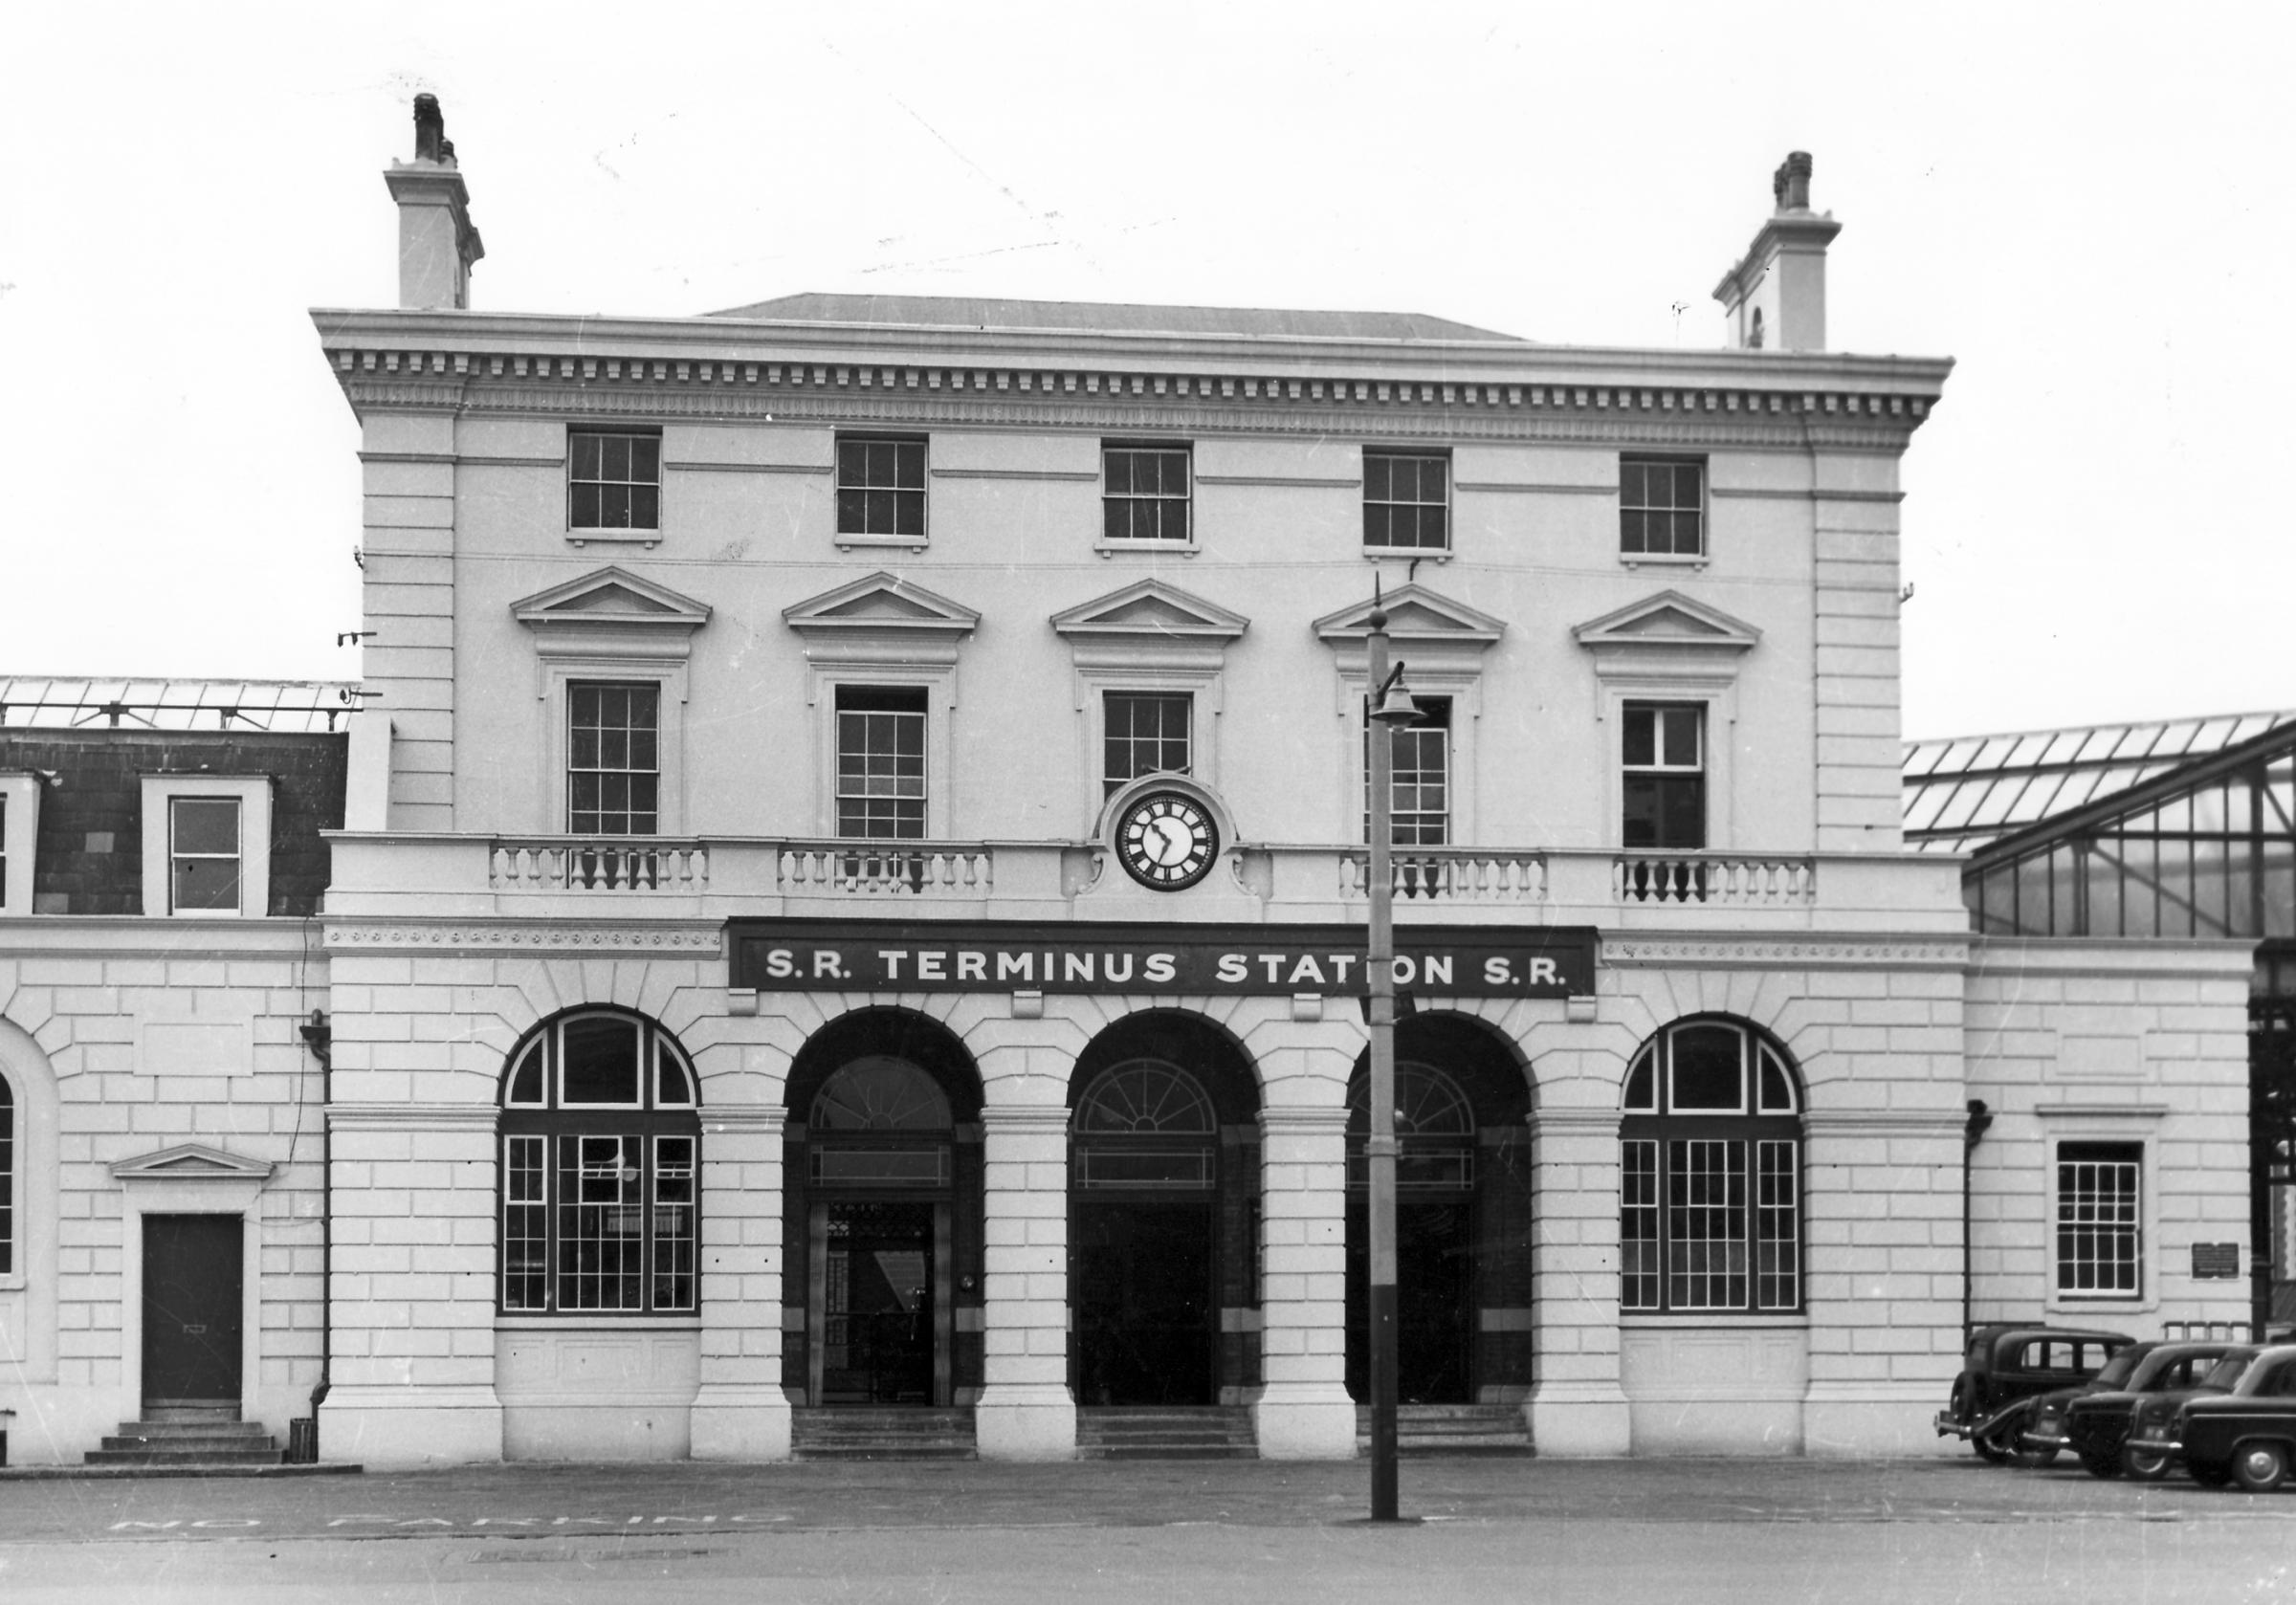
x,y
206,845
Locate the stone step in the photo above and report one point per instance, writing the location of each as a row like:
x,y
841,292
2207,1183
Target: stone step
x,y
182,1457
193,1429
1153,1432
232,1444
880,1432
1451,1429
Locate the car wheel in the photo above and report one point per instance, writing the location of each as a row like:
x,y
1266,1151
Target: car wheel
x,y
1998,1448
2144,1466
2209,1474
2259,1467
2106,1466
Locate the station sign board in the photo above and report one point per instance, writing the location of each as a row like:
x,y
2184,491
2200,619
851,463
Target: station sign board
x,y
1219,961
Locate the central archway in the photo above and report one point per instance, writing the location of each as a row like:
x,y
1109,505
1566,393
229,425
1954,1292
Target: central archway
x,y
884,1219
1163,1215
1462,1215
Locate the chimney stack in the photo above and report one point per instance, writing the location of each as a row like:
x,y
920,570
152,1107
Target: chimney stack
x,y
1776,296
437,241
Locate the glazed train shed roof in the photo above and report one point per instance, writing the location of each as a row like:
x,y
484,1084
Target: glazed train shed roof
x,y
1964,792
70,702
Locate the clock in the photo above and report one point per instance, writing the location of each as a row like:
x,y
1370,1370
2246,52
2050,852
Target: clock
x,y
1167,841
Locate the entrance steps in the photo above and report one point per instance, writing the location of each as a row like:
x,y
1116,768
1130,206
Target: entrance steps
x,y
880,1432
188,1436
1450,1429
1207,1431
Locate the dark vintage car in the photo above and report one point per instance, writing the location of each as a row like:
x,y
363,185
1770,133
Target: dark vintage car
x,y
2244,1434
2093,1422
2006,1368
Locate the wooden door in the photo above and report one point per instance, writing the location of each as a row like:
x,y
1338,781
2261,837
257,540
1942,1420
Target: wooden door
x,y
192,1287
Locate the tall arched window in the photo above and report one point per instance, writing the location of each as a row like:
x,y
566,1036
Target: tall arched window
x,y
601,1170
1709,1173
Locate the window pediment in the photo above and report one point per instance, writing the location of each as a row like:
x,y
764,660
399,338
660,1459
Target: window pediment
x,y
613,610
881,618
1154,611
1669,621
1417,617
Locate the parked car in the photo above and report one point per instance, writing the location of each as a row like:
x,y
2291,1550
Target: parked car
x,y
2149,1422
2094,1422
2246,1435
2006,1368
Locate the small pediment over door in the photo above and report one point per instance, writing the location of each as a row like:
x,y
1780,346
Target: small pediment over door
x,y
881,617
191,1161
611,605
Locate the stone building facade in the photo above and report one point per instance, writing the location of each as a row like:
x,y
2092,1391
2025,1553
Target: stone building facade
x,y
852,888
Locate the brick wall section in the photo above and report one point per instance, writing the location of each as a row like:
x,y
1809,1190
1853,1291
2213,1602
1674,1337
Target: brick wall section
x,y
116,1101
409,604
2120,1041
102,796
1856,683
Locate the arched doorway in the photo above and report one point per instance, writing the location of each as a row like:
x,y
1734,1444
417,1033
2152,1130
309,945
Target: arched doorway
x,y
1163,1215
1462,1217
882,1218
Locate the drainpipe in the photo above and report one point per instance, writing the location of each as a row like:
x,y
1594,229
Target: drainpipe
x,y
1972,1132
319,1035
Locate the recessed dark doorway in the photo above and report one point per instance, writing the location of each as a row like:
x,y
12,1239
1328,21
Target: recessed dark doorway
x,y
1146,1319
878,1310
192,1288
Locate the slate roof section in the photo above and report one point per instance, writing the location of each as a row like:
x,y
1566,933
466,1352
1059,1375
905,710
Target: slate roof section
x,y
1963,793
985,313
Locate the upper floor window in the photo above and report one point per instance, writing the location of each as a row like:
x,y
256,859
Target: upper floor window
x,y
1709,1173
1145,494
1407,500
881,761
206,845
2100,1222
613,482
1661,507
1420,784
601,1170
203,853
1663,746
613,760
1143,732
881,487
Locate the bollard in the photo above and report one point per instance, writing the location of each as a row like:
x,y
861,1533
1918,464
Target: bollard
x,y
303,1441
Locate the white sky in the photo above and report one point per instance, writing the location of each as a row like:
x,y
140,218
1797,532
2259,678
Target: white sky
x,y
2088,205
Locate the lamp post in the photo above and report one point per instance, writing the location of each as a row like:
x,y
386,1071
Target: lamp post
x,y
1390,706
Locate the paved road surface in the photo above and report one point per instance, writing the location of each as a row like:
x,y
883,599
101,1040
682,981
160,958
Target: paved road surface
x,y
1614,1532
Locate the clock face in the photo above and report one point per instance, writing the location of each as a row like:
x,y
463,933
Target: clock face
x,y
1166,841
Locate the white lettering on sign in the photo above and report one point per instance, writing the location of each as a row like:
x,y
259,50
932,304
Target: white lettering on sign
x,y
892,960
1078,966
929,966
828,965
1111,974
1498,971
781,963
1016,966
1307,968
972,966
1231,967
1544,974
1159,968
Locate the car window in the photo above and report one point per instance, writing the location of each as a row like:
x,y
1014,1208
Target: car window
x,y
2120,1368
2227,1371
2281,1383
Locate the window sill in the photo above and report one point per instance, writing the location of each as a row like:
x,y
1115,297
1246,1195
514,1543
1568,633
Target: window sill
x,y
911,542
1663,559
1734,1320
614,537
525,1322
2109,1305
1408,554
1175,548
